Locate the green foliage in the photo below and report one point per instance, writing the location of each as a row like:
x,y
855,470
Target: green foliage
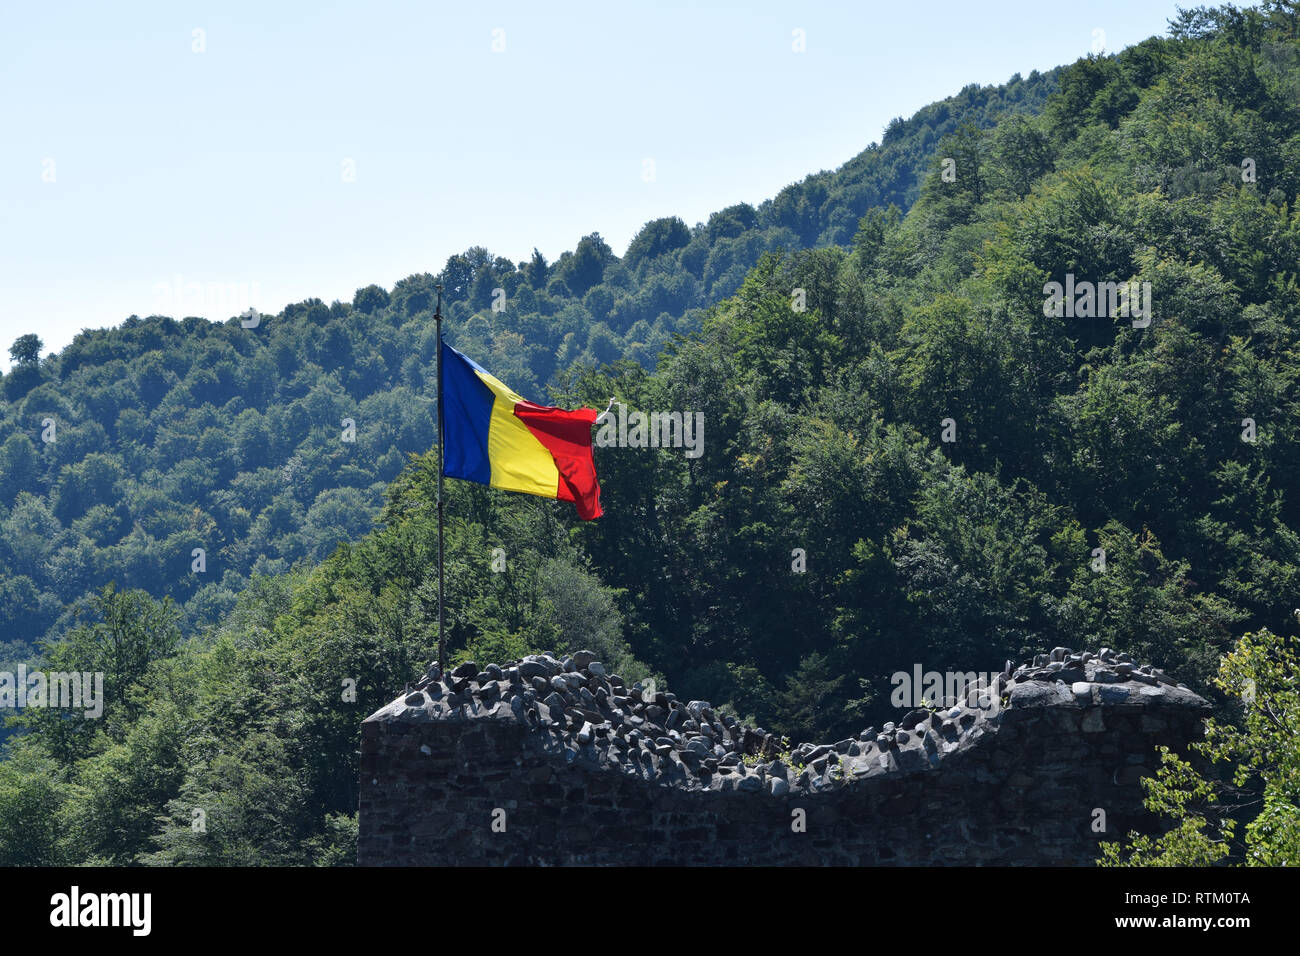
x,y
1072,434
239,748
1261,752
26,349
241,428
827,537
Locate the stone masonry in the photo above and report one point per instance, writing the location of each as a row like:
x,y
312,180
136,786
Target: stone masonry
x,y
553,762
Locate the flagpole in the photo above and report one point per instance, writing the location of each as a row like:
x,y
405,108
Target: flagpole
x,y
442,622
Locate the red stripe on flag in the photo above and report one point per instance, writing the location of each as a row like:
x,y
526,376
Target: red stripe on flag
x,y
567,436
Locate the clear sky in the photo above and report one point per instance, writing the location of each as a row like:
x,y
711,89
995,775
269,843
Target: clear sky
x,y
196,158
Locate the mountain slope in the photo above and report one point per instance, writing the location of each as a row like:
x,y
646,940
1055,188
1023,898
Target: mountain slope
x,y
1101,487
176,435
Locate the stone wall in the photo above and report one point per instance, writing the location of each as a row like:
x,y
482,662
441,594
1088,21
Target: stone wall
x,y
555,762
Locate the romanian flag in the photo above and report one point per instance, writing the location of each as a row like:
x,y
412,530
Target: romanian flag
x,y
494,437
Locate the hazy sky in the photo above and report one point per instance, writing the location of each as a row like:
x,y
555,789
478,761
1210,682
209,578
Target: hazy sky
x,y
196,158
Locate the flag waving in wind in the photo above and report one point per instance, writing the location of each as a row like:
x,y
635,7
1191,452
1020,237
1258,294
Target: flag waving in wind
x,y
494,437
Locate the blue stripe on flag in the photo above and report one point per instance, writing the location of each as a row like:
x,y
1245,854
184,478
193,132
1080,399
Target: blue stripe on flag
x,y
466,415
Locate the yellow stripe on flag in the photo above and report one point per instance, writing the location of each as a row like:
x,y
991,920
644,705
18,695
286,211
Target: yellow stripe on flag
x,y
519,461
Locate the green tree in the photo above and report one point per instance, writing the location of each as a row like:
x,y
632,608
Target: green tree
x,y
26,349
1261,753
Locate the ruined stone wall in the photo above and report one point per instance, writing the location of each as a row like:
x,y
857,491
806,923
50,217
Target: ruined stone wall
x,y
482,769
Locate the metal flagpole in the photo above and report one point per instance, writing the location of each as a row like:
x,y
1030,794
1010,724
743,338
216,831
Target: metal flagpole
x,y
442,622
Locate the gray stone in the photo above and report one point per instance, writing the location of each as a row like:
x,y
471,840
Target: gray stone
x,y
1113,694
817,752
530,669
658,804
914,717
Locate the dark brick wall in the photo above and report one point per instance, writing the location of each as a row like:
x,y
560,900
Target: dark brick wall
x,y
1024,793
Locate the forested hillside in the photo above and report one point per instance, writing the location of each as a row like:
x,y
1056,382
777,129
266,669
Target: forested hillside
x,y
923,464
177,434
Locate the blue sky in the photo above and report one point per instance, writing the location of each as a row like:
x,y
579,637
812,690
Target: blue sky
x,y
289,150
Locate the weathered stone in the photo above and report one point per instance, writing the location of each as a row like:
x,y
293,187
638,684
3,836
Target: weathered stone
x,y
599,793
1113,694
914,717
1093,722
530,669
